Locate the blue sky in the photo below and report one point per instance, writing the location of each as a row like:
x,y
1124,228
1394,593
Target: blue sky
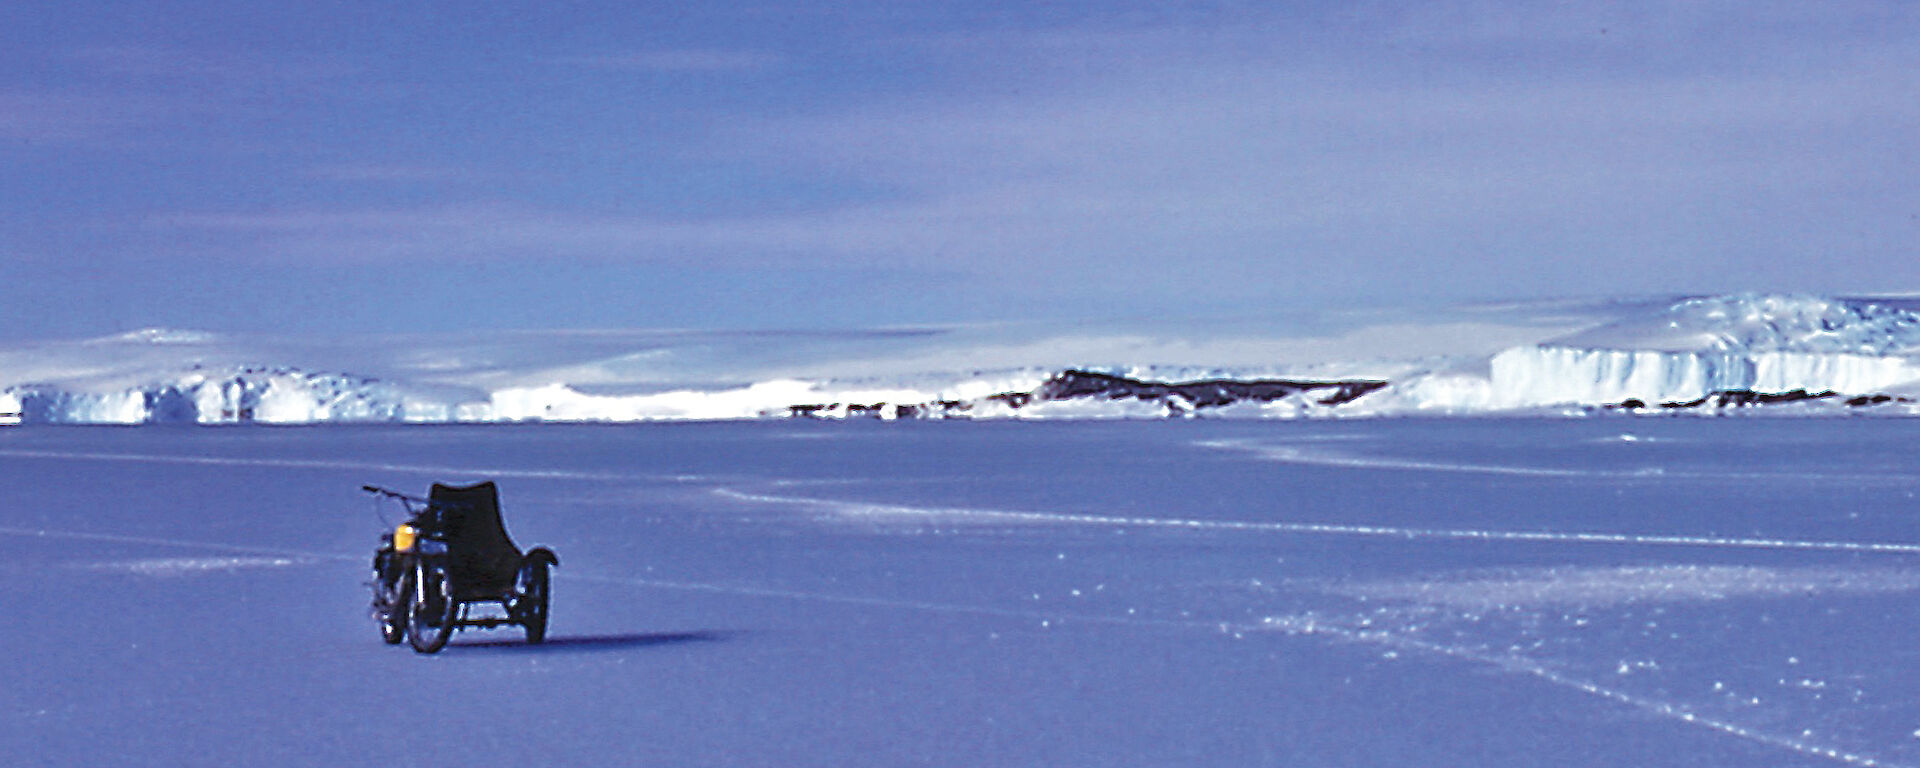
x,y
458,166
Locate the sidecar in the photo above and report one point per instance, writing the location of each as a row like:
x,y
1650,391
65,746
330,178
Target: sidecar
x,y
452,566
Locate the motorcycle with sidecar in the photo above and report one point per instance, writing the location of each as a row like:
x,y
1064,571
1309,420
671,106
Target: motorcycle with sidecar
x,y
452,566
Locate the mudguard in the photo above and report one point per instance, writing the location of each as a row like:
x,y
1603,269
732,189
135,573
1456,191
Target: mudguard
x,y
540,555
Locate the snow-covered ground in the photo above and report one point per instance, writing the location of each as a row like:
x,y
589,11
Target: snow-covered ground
x,y
1607,591
1708,354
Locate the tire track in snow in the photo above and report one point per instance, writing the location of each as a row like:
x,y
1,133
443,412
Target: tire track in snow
x,y
1291,454
790,594
854,509
1323,458
174,567
244,549
1308,626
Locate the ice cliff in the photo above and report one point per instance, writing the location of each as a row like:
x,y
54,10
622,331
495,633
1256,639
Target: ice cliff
x,y
1698,355
1701,347
235,396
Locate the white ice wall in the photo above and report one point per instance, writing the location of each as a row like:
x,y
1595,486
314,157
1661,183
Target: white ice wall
x,y
9,408
1552,375
57,407
269,397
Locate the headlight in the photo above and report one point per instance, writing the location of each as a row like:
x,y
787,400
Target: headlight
x,y
403,538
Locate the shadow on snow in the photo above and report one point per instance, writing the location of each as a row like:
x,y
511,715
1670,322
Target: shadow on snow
x,y
583,643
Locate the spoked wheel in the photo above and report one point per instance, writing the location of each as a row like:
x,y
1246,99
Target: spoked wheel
x,y
431,609
531,607
390,606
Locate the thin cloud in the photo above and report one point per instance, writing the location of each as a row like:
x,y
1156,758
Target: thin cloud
x,y
1210,180
65,118
1544,173
139,63
1361,154
512,231
397,173
120,96
679,61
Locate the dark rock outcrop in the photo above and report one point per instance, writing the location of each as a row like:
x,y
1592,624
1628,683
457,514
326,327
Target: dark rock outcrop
x,y
1209,393
1075,384
1746,398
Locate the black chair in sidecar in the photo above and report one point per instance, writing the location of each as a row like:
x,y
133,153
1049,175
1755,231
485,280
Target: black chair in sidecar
x,y
451,565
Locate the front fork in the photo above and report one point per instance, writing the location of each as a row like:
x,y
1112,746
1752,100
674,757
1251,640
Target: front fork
x,y
388,567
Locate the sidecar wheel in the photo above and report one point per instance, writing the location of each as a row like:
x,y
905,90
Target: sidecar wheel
x,y
535,593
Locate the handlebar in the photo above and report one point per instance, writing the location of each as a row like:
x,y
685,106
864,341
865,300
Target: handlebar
x,y
392,494
426,512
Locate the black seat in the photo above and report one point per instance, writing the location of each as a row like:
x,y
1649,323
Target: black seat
x,y
481,557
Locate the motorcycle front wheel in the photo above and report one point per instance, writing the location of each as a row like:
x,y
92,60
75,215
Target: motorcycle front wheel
x,y
431,608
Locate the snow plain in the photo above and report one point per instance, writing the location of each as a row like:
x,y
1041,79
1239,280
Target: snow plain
x,y
1618,590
